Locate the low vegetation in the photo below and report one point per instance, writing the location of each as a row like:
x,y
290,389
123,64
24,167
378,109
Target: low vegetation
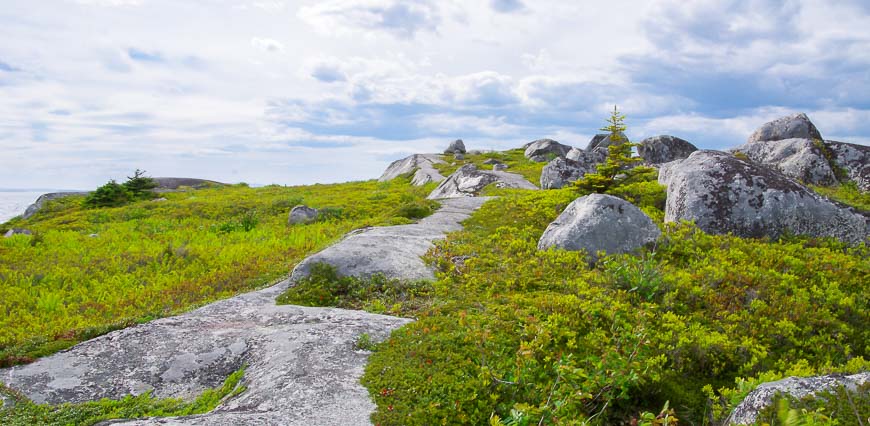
x,y
86,271
514,159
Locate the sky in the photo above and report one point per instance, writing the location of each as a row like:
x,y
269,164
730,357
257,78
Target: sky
x,y
296,92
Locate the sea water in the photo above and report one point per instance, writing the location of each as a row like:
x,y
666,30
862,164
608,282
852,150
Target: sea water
x,y
13,203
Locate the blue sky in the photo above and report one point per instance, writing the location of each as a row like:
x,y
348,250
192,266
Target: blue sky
x,y
293,92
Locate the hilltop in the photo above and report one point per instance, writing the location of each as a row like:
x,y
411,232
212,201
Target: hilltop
x,y
687,281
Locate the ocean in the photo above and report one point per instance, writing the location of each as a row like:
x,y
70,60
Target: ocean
x,y
13,203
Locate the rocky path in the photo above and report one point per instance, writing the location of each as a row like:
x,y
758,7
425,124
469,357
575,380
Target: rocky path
x,y
302,365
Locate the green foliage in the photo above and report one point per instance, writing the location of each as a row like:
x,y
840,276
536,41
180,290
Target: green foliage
x,y
847,193
520,336
364,342
620,166
24,412
111,194
515,159
840,406
377,294
140,185
152,259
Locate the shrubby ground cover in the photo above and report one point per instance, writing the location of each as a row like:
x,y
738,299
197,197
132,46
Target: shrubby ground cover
x,y
87,271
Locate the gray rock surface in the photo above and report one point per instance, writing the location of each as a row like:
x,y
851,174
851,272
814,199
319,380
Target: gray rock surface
x,y
801,159
796,126
599,222
394,251
664,149
40,202
302,214
543,150
588,158
458,156
602,140
17,231
302,364
455,147
747,411
561,172
302,369
468,181
499,167
854,160
419,164
722,194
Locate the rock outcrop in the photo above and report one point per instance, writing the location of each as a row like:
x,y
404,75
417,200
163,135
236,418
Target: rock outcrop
x,y
543,150
468,181
723,194
794,146
173,183
394,251
600,222
796,126
302,365
854,160
747,411
44,198
561,172
302,214
421,165
664,149
455,147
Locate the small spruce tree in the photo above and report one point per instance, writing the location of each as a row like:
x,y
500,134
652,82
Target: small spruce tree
x,y
111,194
140,185
619,166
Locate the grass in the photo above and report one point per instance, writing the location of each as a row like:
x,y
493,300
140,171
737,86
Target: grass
x,y
23,412
85,272
846,193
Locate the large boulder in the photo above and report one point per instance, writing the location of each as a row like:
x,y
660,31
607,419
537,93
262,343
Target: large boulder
x,y
796,126
602,140
747,411
165,184
561,171
44,198
543,150
599,222
596,156
723,194
801,159
456,147
17,231
854,160
468,181
664,149
794,146
421,165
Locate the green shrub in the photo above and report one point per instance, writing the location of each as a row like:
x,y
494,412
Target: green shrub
x,y
416,209
111,194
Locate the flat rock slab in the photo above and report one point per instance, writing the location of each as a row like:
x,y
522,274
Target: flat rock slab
x,y
302,364
394,251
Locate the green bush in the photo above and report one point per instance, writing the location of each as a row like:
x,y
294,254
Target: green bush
x,y
111,194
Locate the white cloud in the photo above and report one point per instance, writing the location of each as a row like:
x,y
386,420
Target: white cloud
x,y
267,44
110,2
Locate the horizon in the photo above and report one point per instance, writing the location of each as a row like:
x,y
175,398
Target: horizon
x,y
270,91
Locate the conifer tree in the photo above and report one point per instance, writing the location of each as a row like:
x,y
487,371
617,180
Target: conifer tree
x,y
619,165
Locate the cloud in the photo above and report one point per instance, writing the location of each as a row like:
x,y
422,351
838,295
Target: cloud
x,y
143,56
110,2
507,6
401,19
267,44
8,68
328,73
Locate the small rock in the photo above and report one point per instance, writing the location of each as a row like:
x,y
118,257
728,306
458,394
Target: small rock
x,y
664,149
302,214
543,150
468,181
499,167
94,235
456,147
723,194
798,387
599,222
17,231
458,156
157,200
491,161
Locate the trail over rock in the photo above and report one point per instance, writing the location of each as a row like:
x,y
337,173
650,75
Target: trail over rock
x,y
302,364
